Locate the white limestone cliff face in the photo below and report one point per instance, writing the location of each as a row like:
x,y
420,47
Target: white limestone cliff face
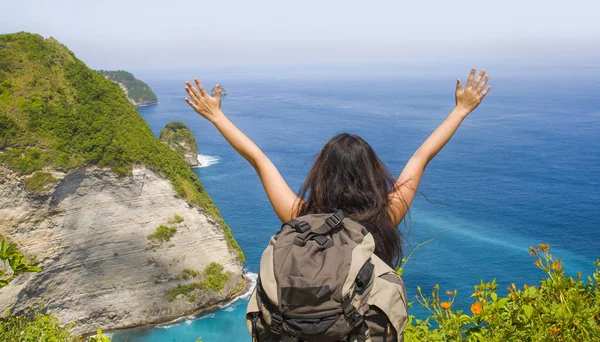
x,y
90,236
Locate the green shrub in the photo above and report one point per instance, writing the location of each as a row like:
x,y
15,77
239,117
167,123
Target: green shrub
x,y
214,280
183,289
34,325
192,298
39,181
162,233
560,308
189,273
99,337
176,219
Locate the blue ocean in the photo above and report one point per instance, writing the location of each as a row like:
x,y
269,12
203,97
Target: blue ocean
x,y
523,169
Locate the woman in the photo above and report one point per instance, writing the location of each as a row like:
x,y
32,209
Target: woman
x,y
347,174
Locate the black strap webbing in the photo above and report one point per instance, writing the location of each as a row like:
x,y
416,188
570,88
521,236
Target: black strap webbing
x,y
300,226
332,222
352,315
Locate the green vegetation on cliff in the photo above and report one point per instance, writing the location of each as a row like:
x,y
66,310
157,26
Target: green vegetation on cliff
x,y
137,91
56,112
180,138
214,280
162,233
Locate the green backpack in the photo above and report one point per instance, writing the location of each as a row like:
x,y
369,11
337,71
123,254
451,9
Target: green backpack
x,y
319,281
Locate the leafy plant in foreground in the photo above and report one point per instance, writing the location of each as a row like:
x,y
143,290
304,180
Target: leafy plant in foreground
x,y
13,263
560,308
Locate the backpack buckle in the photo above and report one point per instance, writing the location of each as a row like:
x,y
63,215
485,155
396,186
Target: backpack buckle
x,y
353,316
323,242
334,220
351,313
276,324
302,227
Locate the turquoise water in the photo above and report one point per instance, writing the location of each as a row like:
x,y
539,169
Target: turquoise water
x,y
523,169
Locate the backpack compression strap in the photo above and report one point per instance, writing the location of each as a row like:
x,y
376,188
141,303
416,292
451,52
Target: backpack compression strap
x,y
332,222
299,226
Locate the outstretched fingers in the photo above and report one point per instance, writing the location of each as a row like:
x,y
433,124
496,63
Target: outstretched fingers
x,y
470,79
189,88
200,87
483,83
478,79
192,104
487,90
195,94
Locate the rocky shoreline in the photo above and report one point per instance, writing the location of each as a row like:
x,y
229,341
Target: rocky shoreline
x,y
90,235
245,291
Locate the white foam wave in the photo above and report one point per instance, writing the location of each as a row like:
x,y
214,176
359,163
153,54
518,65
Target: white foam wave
x,y
206,161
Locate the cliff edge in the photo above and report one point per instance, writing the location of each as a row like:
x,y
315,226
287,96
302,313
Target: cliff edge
x,y
123,229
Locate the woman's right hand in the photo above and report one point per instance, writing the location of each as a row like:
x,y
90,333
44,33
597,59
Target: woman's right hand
x,y
207,106
469,98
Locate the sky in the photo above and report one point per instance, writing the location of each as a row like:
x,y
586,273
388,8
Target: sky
x,y
128,34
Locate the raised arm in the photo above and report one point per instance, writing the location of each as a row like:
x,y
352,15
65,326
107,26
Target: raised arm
x,y
467,100
280,195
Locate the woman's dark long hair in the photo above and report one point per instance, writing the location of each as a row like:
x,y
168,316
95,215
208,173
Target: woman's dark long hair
x,y
348,175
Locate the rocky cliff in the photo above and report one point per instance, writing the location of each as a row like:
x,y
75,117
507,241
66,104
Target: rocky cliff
x,y
180,138
90,234
123,229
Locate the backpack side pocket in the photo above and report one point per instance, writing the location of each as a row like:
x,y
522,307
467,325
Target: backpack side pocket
x,y
389,296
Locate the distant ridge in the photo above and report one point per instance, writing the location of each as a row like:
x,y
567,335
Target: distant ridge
x,y
138,92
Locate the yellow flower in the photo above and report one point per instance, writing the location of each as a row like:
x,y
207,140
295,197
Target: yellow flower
x,y
554,330
555,266
476,308
445,305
